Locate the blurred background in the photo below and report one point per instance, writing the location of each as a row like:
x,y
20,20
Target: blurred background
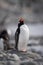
x,y
32,12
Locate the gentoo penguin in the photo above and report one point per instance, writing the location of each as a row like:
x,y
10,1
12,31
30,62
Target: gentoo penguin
x,y
21,36
4,35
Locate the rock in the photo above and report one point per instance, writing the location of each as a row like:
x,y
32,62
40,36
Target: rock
x,y
9,59
13,57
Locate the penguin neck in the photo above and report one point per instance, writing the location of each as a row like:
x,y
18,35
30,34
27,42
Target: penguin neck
x,y
20,24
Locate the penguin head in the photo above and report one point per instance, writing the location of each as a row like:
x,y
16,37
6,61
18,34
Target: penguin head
x,y
21,20
4,35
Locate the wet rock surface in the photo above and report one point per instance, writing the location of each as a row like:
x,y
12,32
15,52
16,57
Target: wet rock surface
x,y
13,57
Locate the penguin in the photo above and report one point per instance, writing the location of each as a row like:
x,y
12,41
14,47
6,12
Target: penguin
x,y
21,36
4,35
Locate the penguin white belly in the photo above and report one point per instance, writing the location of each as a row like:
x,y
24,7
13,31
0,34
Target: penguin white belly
x,y
23,37
1,44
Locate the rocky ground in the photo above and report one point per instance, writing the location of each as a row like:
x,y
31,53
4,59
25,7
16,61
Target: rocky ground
x,y
13,57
